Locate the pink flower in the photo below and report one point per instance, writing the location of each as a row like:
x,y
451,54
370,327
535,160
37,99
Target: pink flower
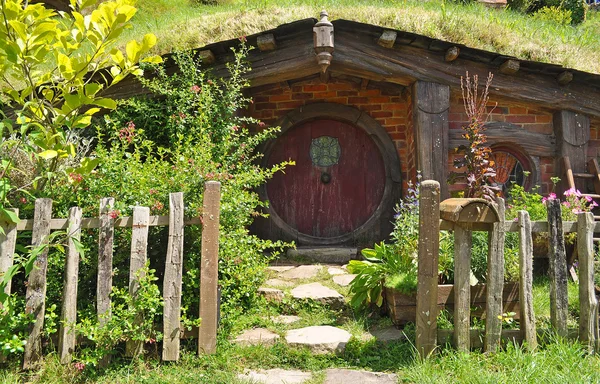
x,y
243,39
566,204
588,198
114,214
79,366
261,124
195,88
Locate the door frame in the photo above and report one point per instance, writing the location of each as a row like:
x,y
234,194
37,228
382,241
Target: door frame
x,y
379,225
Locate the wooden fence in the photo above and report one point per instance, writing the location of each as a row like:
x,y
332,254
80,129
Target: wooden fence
x,y
431,222
42,224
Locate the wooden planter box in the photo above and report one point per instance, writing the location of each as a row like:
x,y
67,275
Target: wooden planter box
x,y
403,308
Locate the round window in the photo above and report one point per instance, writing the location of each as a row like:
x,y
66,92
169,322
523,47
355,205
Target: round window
x,y
512,167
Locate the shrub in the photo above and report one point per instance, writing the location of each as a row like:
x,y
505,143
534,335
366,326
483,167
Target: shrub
x,y
553,14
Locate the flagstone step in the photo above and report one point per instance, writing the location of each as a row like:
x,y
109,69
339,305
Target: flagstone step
x,y
319,339
320,293
257,336
275,376
271,294
301,272
324,254
343,280
332,376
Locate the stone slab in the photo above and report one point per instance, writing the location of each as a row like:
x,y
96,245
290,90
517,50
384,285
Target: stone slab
x,y
280,268
388,334
324,254
271,294
349,376
286,319
320,293
278,283
257,336
275,376
333,271
320,339
301,272
343,280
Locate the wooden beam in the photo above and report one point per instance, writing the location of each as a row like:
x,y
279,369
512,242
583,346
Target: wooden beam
x,y
387,39
565,77
266,42
207,57
572,132
452,54
510,67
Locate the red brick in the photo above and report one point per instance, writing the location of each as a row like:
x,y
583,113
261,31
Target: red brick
x,y
379,99
284,97
400,113
296,88
381,114
370,107
315,88
325,95
394,121
370,92
338,100
346,93
518,110
290,104
339,86
301,96
358,100
543,119
394,107
261,106
397,136
539,128
260,99
457,117
520,119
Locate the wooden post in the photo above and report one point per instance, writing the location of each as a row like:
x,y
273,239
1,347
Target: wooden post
x,y
429,247
67,335
588,304
527,317
558,269
173,279
572,131
495,282
209,268
8,242
36,287
137,261
463,241
105,256
431,102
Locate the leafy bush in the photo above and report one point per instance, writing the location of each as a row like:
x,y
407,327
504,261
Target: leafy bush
x,y
553,10
554,14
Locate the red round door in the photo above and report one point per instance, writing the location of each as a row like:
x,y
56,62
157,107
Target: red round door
x,y
336,184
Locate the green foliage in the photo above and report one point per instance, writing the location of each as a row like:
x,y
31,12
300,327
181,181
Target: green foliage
x,y
554,15
519,200
553,10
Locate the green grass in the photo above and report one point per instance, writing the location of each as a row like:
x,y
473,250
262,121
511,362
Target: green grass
x,y
180,24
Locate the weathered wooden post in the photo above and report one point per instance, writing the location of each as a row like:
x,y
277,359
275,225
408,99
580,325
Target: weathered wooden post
x,y
8,242
463,242
588,304
495,282
209,268
105,264
173,279
68,318
559,301
36,287
527,317
429,246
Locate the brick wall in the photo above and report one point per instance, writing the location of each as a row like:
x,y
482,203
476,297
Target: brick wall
x,y
390,111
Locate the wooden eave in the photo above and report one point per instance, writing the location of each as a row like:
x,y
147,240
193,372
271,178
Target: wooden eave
x,y
412,57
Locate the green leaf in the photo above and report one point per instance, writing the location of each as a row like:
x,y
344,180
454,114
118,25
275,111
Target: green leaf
x,y
78,247
9,216
153,59
48,154
106,103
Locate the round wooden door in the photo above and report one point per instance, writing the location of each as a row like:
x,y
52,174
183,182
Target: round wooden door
x,y
336,184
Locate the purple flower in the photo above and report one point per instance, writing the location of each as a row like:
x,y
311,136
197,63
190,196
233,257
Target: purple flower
x,y
588,198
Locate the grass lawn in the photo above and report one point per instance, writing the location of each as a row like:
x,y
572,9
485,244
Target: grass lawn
x,y
180,24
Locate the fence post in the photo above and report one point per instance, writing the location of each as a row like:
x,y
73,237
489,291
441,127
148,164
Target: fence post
x,y
588,304
36,287
68,318
105,265
429,246
558,269
173,279
137,261
495,282
463,241
527,317
209,268
8,242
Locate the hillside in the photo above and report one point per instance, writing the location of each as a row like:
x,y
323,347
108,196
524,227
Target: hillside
x,y
182,24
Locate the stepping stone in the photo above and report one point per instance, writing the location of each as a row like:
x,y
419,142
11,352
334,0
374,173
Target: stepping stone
x,y
324,255
257,336
271,294
320,339
336,271
280,268
388,334
320,293
343,280
349,376
275,376
278,283
301,272
284,319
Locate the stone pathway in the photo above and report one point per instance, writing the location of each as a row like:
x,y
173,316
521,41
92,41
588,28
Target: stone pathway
x,y
312,282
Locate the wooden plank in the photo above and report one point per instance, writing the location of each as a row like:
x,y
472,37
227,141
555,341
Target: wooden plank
x,y
527,316
463,242
36,287
431,102
462,210
105,265
137,261
92,223
495,282
594,169
8,242
568,172
559,308
572,132
588,304
429,246
68,319
209,268
173,280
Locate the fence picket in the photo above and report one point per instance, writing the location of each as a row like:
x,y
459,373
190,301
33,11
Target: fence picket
x,y
36,287
173,280
8,242
105,264
588,322
139,256
68,318
527,317
495,282
558,269
209,274
429,246
463,240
